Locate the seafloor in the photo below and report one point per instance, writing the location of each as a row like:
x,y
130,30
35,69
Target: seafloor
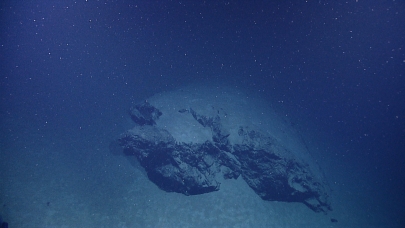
x,y
70,178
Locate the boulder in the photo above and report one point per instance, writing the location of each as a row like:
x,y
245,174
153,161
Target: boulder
x,y
274,174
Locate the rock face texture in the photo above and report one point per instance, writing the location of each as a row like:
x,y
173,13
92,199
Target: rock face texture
x,y
192,152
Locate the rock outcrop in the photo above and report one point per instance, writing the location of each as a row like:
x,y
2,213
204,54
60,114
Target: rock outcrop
x,y
190,168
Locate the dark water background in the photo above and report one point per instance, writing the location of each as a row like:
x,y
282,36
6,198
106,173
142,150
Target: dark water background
x,y
71,69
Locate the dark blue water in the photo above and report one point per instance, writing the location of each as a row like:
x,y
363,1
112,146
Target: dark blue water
x,y
71,69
